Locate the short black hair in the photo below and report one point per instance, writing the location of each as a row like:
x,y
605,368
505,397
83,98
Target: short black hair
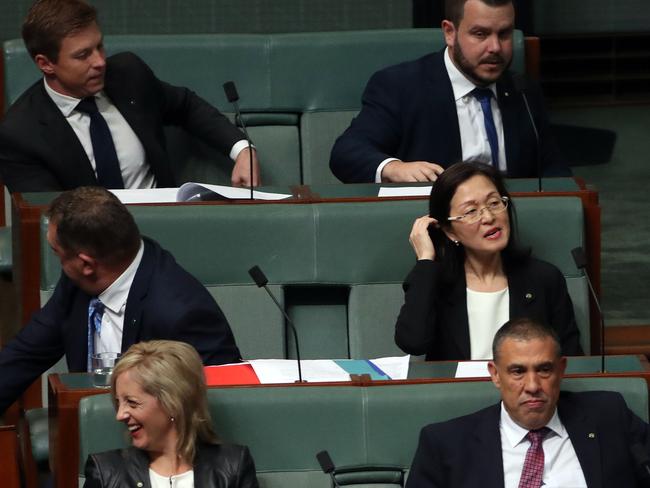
x,y
524,329
455,9
91,219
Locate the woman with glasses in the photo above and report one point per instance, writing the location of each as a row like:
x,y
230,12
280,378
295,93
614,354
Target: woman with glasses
x,y
470,276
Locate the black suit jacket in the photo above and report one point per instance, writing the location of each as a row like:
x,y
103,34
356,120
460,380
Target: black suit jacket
x,y
408,112
39,151
434,321
466,452
164,302
215,466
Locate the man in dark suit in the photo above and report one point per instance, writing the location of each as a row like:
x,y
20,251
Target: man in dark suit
x,y
49,137
116,289
459,104
537,436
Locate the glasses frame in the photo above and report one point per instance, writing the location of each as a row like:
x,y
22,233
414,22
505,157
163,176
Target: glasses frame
x,y
462,218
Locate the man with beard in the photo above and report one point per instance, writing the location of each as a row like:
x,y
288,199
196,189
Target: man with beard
x,y
459,104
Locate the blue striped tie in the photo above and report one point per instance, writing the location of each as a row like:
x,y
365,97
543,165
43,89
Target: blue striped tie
x,y
484,96
95,313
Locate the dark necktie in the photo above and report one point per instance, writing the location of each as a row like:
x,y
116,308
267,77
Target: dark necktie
x,y
95,313
533,471
106,162
484,96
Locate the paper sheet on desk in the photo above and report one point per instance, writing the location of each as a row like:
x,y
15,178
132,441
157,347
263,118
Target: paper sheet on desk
x,y
322,370
189,190
404,191
472,369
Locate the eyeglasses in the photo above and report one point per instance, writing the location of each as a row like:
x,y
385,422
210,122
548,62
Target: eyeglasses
x,y
473,215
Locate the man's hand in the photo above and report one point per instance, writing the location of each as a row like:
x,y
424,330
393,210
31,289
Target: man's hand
x,y
241,172
410,171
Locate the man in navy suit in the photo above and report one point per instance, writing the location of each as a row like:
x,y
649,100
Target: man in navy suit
x,y
419,117
46,137
116,289
537,436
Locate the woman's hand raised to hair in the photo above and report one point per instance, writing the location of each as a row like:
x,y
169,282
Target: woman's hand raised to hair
x,y
420,240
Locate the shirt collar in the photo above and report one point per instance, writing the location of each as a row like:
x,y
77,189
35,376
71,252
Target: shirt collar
x,y
114,297
515,434
461,86
65,103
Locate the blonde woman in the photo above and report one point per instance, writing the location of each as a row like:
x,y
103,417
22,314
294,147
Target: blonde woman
x,y
159,392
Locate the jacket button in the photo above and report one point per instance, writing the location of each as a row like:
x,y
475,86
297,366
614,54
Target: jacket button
x,y
529,296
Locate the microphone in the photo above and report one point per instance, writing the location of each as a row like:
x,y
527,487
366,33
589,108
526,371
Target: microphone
x,y
641,457
232,96
260,280
520,84
580,259
327,465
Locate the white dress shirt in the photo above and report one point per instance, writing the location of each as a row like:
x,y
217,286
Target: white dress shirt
x,y
184,480
486,313
129,149
473,137
114,299
561,466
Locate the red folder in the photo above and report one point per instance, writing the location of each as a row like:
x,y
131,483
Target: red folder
x,y
230,374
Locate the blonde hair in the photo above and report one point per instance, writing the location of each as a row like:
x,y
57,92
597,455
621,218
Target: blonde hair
x,y
172,372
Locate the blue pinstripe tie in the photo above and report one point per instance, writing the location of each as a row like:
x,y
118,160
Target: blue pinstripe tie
x,y
95,313
484,96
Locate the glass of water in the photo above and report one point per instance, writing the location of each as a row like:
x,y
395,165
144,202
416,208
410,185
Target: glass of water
x,y
103,364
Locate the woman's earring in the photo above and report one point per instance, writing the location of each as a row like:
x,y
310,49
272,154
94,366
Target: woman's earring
x,y
456,243
172,419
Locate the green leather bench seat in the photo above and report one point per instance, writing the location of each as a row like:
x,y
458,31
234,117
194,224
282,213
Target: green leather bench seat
x,y
286,426
6,255
337,267
298,91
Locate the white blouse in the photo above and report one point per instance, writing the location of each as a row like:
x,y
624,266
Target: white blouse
x,y
486,312
183,480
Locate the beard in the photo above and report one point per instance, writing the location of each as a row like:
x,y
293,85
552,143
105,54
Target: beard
x,y
470,70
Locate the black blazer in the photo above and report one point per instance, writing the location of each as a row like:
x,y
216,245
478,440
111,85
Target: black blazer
x,y
164,302
408,112
215,466
39,151
434,321
466,452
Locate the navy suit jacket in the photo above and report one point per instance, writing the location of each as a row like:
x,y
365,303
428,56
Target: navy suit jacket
x,y
408,112
39,151
164,302
434,321
466,452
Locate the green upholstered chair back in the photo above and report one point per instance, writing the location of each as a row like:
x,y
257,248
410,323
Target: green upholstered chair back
x,y
337,267
286,426
298,91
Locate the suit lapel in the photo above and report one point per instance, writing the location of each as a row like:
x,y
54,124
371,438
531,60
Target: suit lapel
x,y
131,333
508,106
486,443
585,439
524,295
442,104
457,299
69,154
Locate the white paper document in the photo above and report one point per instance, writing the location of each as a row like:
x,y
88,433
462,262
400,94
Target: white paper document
x,y
472,369
404,191
193,192
327,370
395,367
190,190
